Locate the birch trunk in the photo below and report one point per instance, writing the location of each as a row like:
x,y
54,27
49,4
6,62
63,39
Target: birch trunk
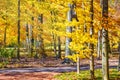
x,y
99,45
78,64
105,63
68,40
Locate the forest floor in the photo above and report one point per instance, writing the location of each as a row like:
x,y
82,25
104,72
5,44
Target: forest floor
x,y
38,70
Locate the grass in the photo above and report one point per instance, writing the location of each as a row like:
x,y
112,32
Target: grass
x,y
85,75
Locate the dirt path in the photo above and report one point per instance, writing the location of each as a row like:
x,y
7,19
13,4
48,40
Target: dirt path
x,y
28,76
46,73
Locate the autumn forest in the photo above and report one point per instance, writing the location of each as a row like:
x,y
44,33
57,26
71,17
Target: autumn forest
x,y
82,36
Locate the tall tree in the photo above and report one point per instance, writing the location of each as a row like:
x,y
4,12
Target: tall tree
x,y
68,30
54,44
18,51
5,32
70,15
27,39
41,38
105,64
31,37
91,45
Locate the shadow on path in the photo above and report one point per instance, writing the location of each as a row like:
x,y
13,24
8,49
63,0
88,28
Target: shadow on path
x,y
48,69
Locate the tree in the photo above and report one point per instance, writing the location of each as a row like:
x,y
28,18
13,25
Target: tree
x,y
118,67
99,45
18,37
91,45
59,47
68,30
105,64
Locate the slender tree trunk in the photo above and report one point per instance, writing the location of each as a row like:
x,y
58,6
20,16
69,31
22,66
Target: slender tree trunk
x,y
54,45
6,24
59,47
91,45
118,67
119,62
18,50
40,18
27,39
78,64
5,36
68,40
105,63
99,45
31,34
31,40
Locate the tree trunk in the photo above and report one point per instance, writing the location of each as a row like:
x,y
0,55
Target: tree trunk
x,y
91,45
18,37
68,40
99,45
31,38
54,44
59,47
119,63
32,43
40,18
105,63
27,39
118,67
78,64
5,36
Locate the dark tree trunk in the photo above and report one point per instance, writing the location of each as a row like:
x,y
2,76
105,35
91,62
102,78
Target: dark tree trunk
x,y
91,45
59,47
118,67
40,18
119,63
18,38
32,41
54,45
5,35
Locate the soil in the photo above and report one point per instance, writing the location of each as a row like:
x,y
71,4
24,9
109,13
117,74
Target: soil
x,y
43,75
28,76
